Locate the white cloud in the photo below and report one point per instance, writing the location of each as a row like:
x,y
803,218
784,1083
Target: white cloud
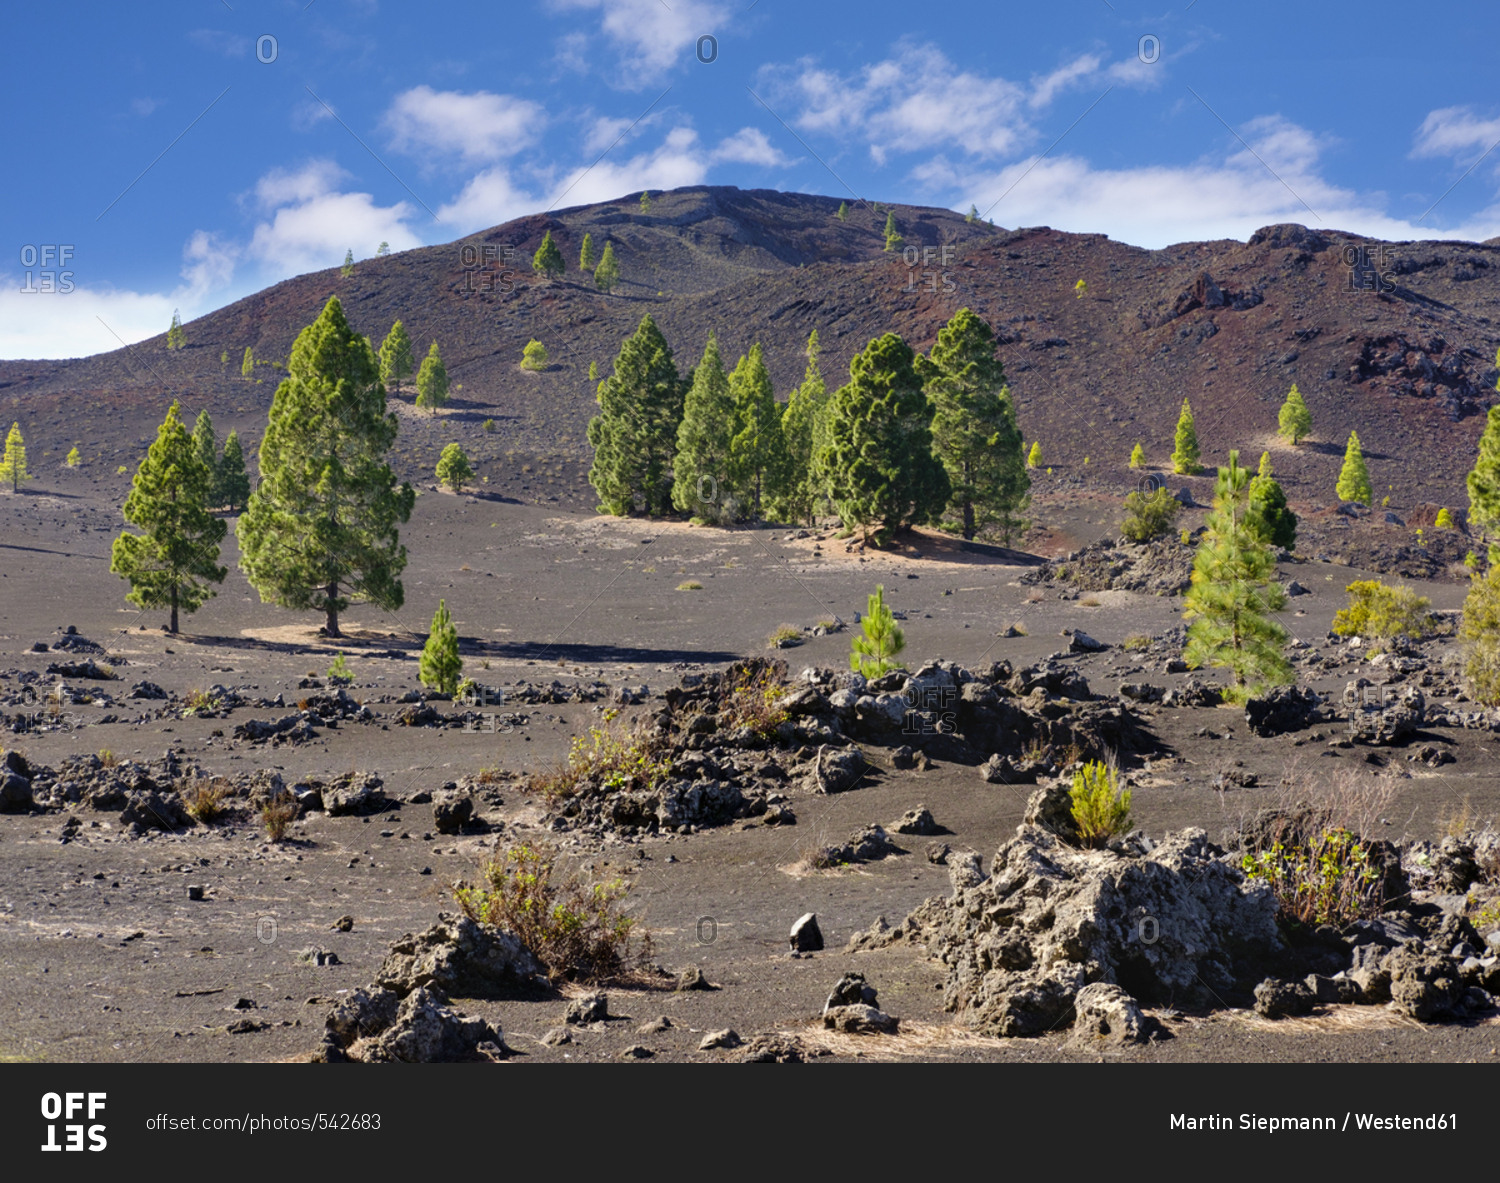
x,y
1046,88
604,131
208,264
1156,206
749,145
311,223
231,45
677,162
489,199
474,127
649,36
144,107
1455,132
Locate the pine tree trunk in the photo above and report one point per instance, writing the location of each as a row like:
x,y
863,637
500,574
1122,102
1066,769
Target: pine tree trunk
x,y
173,629
968,521
331,625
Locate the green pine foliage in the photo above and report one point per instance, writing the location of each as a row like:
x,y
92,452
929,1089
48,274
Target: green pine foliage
x,y
804,428
247,365
206,444
548,260
1034,457
1185,452
880,642
893,239
1480,631
645,202
1233,595
322,526
607,274
1483,482
1354,477
1100,810
974,430
1294,422
593,371
75,458
453,468
233,487
1444,520
634,436
1149,515
175,558
348,268
396,361
973,214
586,259
441,665
13,464
1137,457
843,212
701,487
758,461
432,381
884,476
534,356
1267,514
176,338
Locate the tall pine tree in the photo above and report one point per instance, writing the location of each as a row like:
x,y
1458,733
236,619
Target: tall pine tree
x,y
13,464
234,482
700,484
634,436
1234,593
322,527
974,429
607,274
758,462
883,474
1354,477
432,381
804,427
1294,420
586,260
548,260
206,444
171,563
1185,453
395,358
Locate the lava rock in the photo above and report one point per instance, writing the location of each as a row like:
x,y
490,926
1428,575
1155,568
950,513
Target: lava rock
x,y
459,957
806,936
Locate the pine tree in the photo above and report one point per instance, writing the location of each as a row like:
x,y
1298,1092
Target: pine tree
x,y
247,365
383,249
1034,457
593,371
758,461
234,482
843,212
645,202
176,338
224,359
879,450
396,361
75,458
974,430
1294,422
348,268
206,444
586,260
1233,595
1483,482
534,356
805,415
607,274
432,381
1443,521
700,468
973,214
1185,453
893,237
1267,515
172,563
881,640
1137,457
441,664
548,260
322,525
1354,477
453,468
13,464
634,435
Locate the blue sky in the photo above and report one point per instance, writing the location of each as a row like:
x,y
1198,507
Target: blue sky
x,y
187,154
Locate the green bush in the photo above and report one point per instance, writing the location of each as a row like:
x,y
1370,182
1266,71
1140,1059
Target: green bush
x,y
1149,515
1100,810
577,930
1329,879
1382,612
881,640
339,672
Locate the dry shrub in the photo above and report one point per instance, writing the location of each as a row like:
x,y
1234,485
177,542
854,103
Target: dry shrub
x,y
576,929
205,800
616,758
753,695
278,814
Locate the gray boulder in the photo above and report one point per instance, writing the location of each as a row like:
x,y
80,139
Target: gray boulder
x,y
459,957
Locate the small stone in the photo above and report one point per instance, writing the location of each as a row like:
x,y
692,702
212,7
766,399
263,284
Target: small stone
x,y
692,979
557,1037
590,1008
715,1040
656,1026
806,936
195,891
342,924
637,1052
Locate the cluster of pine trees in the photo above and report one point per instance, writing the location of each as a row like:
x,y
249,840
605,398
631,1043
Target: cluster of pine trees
x,y
908,439
319,530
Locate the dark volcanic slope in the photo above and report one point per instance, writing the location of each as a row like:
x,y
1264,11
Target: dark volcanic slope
x,y
1229,325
